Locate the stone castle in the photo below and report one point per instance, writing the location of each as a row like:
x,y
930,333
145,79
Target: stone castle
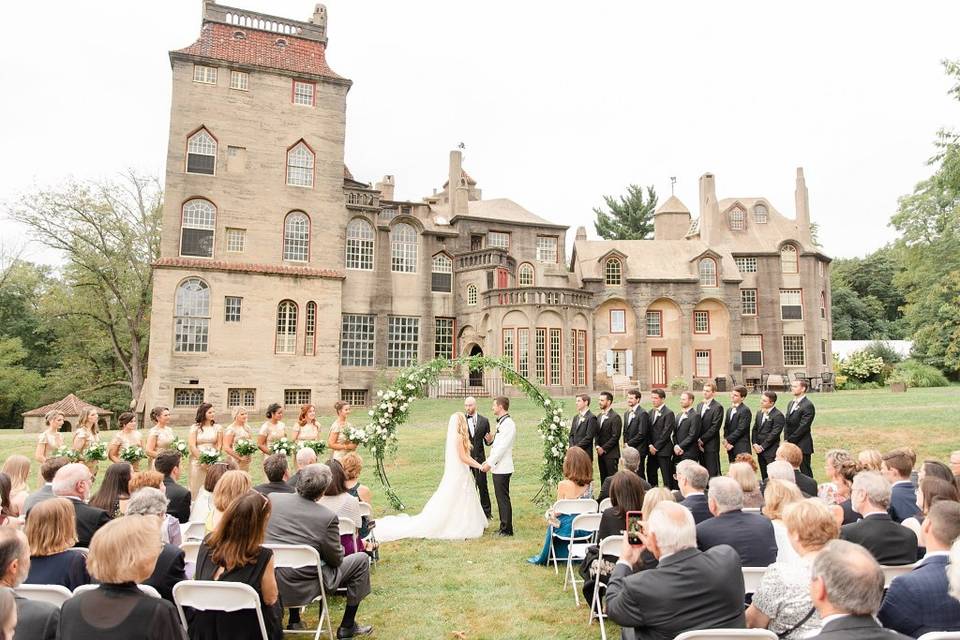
x,y
282,278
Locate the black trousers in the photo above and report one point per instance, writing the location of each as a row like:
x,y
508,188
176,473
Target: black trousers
x,y
608,466
501,487
665,465
763,467
649,463
805,466
481,479
711,461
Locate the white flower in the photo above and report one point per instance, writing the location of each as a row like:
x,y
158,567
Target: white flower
x,y
379,393
550,437
411,387
370,413
546,403
373,450
383,421
404,406
423,380
556,419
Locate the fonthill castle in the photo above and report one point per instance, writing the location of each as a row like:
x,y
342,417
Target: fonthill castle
x,y
283,278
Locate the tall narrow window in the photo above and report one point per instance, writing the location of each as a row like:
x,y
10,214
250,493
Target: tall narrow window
x,y
523,351
303,93
231,308
581,357
788,259
823,305
286,341
701,322
738,219
654,324
823,352
751,350
618,321
708,272
540,356
442,276
201,153
296,237
443,338
403,341
508,351
613,272
403,248
356,340
748,302
546,249
471,295
359,245
310,330
760,214
525,275
555,356
793,351
791,304
192,317
300,165
196,229
702,361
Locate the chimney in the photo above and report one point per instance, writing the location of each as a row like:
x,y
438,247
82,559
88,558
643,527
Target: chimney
x,y
802,199
709,207
385,187
581,233
457,191
319,18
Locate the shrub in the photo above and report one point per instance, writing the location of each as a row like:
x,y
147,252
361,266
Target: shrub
x,y
882,350
862,366
678,384
917,374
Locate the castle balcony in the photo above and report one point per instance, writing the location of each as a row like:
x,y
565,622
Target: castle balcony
x,y
362,199
488,258
548,296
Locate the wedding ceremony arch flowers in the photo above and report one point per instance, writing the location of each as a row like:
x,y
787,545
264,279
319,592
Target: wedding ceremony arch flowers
x,y
243,447
318,446
96,452
283,445
132,454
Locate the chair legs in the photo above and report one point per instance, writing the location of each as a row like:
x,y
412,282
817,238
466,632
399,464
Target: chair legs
x,y
570,576
596,610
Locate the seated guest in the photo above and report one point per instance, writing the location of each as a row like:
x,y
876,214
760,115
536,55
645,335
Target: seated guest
x,y
870,460
955,465
352,466
36,620
932,490
750,534
203,505
299,519
789,452
7,519
953,572
629,461
652,498
8,613
304,458
114,490
231,485
778,495
122,555
577,482
937,469
918,602
234,552
897,467
168,464
17,467
845,472
51,532
782,601
689,589
780,470
831,467
154,479
846,587
693,479
73,482
275,469
170,567
48,470
746,476
889,542
338,499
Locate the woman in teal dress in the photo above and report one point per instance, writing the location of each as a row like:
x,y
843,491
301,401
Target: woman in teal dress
x,y
577,483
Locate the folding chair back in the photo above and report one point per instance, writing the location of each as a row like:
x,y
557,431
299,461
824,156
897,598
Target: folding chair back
x,y
366,510
145,588
349,528
580,505
752,577
605,504
296,556
728,634
585,522
611,546
193,531
190,550
891,572
210,595
52,593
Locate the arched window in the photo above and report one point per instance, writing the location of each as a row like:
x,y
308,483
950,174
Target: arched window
x,y
442,275
286,327
708,272
613,272
760,214
192,316
738,219
472,295
199,219
296,237
300,165
310,330
359,245
525,275
788,259
201,153
403,248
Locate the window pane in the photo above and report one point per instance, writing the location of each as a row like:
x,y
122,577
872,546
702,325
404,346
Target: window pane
x,y
751,350
303,93
245,398
653,324
187,397
613,272
788,259
508,345
701,322
196,236
359,245
540,356
737,219
239,80
546,249
472,295
793,351
236,240
231,308
708,273
618,321
296,237
403,342
295,398
286,327
403,248
355,397
703,364
300,166
498,239
443,338
748,302
356,340
525,275
760,214
523,351
555,369
192,316
746,264
790,304
310,330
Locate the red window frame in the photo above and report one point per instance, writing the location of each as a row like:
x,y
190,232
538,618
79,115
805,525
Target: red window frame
x,y
293,92
646,327
610,315
709,375
700,333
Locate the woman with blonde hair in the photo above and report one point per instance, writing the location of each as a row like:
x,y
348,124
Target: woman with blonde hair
x,y
160,436
231,485
206,436
746,477
870,460
86,434
50,439
17,467
652,498
307,429
237,430
352,465
128,436
338,442
777,495
51,533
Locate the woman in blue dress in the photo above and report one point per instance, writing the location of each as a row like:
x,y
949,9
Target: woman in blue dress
x,y
577,483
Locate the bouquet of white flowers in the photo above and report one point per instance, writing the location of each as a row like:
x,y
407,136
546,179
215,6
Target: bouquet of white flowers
x,y
132,454
95,452
243,447
180,446
66,452
318,446
357,435
282,445
210,456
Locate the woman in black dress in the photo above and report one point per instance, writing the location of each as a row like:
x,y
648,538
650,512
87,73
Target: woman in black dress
x,y
114,490
52,532
234,553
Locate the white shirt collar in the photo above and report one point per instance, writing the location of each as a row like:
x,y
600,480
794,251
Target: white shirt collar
x,y
694,493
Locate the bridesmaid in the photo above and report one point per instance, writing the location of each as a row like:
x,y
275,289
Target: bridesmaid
x,y
205,435
307,428
272,430
160,435
237,431
337,442
50,438
128,436
86,433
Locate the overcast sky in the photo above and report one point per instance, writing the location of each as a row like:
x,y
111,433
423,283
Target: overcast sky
x,y
557,103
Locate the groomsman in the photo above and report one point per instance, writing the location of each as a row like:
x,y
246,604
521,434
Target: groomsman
x,y
583,429
766,431
636,429
711,420
798,430
736,433
687,433
662,425
480,435
608,437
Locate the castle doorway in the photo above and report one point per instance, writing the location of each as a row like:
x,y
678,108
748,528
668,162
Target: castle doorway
x,y
476,376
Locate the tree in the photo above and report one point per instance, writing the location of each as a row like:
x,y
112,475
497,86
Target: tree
x,y
865,300
19,386
109,235
630,217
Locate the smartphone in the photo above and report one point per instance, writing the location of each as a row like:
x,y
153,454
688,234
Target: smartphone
x,y
634,528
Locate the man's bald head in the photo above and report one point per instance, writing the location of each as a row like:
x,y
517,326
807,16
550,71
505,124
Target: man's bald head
x,y
852,580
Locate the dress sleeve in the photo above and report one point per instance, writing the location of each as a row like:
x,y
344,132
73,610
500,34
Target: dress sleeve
x,y
265,429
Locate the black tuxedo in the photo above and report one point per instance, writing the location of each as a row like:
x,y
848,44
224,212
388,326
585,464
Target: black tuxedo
x,y
766,433
583,431
636,434
89,520
797,430
736,431
179,497
698,506
661,439
686,435
168,571
857,628
710,423
608,438
481,428
889,542
806,484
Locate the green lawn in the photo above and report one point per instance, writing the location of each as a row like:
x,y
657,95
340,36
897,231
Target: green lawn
x,y
485,589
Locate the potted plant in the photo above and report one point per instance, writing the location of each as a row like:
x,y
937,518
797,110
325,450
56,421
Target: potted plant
x,y
898,382
677,386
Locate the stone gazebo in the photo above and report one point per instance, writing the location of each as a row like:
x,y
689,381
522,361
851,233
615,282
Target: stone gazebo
x,y
70,407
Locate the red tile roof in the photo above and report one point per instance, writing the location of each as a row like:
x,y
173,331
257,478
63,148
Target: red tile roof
x,y
69,406
246,267
260,48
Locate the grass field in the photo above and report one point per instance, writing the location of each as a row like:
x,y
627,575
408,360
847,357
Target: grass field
x,y
485,589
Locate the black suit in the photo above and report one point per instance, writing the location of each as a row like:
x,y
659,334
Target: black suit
x,y
36,620
168,571
687,590
751,534
477,443
766,433
806,484
636,434
605,487
698,506
661,439
736,431
857,628
686,435
275,487
608,438
179,497
889,542
583,431
89,520
710,423
799,423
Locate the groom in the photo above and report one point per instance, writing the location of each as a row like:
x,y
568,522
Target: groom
x,y
479,428
501,462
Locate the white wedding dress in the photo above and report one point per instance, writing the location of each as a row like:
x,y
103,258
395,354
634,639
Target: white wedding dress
x,y
452,513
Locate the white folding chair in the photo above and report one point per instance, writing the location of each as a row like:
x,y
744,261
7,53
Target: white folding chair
x,y
190,550
210,595
296,556
752,577
728,634
193,531
568,507
52,593
349,528
941,635
145,588
605,504
583,532
891,572
367,511
609,546
751,510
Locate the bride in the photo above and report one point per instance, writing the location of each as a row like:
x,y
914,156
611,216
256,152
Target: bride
x,y
454,511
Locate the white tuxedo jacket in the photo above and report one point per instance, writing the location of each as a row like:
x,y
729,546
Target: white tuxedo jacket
x,y
500,457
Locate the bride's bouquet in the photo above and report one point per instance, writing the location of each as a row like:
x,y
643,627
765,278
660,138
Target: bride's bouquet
x,y
132,454
95,452
318,446
282,445
243,447
210,456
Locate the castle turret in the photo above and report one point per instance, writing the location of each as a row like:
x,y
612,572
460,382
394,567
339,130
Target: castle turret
x,y
709,207
671,221
457,190
386,187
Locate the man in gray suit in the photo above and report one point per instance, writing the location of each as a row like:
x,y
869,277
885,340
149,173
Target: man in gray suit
x,y
35,620
296,518
48,469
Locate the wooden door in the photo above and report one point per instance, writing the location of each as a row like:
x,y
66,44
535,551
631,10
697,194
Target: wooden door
x,y
658,369
502,278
